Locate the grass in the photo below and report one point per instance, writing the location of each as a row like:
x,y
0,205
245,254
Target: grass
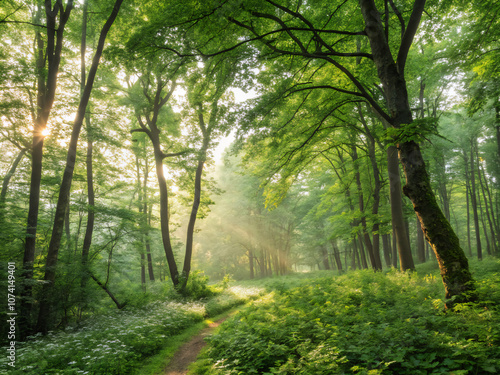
x,y
363,323
319,323
119,342
155,365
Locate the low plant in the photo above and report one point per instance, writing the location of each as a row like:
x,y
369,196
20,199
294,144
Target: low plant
x,y
364,323
118,342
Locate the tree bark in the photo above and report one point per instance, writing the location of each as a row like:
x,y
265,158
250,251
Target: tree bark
x,y
420,243
376,190
467,194
489,212
336,255
366,236
87,240
364,262
47,83
164,212
397,216
108,292
473,200
89,230
324,256
387,249
64,190
197,187
394,249
452,261
250,264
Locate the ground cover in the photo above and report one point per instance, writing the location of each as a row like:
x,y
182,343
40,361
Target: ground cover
x,y
363,323
120,341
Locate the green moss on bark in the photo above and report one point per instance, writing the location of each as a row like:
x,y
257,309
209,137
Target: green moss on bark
x,y
457,279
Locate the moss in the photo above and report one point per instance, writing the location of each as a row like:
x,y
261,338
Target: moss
x,y
457,279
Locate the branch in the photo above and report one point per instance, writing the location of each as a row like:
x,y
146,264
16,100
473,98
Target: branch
x,y
169,94
23,22
407,40
400,17
327,87
283,25
139,131
163,155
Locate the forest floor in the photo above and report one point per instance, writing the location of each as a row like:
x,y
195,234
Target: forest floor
x,y
188,352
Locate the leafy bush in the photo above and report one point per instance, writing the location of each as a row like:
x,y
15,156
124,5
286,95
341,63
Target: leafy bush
x,y
197,286
364,323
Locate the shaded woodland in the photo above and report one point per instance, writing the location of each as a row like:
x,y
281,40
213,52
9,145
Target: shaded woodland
x,y
143,142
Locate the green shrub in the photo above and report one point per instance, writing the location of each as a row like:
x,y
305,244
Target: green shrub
x,y
364,323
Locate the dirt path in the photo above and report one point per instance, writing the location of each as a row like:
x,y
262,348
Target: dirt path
x,y
188,352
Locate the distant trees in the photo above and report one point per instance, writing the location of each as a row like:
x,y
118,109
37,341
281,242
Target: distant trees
x,y
347,95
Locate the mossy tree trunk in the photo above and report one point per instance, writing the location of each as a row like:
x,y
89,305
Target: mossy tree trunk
x,y
453,263
457,279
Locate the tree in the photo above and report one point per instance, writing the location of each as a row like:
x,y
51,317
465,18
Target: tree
x,y
47,61
64,190
298,33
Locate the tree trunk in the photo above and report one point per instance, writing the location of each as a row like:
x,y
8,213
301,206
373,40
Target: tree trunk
x,y
497,128
481,176
63,200
324,257
366,236
394,249
376,191
250,264
467,194
485,229
194,210
397,216
420,243
164,214
108,292
386,245
362,254
495,221
336,255
147,220
89,230
452,261
143,271
453,264
473,200
47,83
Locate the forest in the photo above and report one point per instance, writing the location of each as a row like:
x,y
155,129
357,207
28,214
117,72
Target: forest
x,y
324,173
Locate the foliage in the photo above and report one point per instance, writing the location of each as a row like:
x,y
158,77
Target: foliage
x,y
197,286
366,323
117,342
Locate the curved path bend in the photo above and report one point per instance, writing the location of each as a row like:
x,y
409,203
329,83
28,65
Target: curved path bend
x,y
188,352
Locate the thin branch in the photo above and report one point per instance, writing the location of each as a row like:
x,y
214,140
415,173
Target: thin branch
x,y
400,17
23,22
163,155
327,87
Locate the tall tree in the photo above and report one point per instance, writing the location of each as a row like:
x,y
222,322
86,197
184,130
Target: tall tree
x,y
64,190
47,62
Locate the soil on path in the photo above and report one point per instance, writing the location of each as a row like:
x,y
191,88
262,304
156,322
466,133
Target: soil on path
x,y
188,352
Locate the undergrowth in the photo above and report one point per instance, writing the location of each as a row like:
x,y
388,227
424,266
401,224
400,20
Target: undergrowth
x,y
364,323
118,342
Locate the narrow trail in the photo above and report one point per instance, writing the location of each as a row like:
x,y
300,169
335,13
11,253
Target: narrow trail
x,y
188,352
